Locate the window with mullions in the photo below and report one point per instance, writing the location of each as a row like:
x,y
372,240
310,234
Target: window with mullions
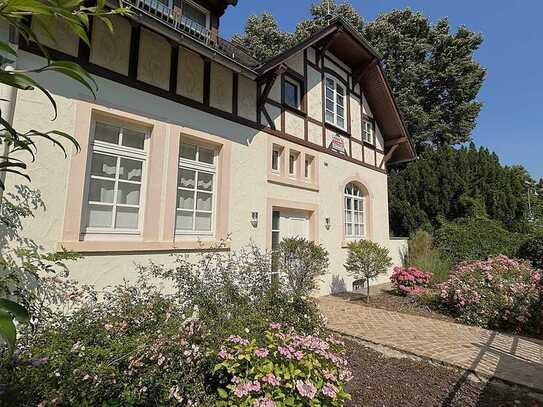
x,y
116,178
354,212
367,130
334,102
292,93
195,189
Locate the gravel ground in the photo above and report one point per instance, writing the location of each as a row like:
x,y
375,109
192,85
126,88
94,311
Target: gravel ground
x,y
385,381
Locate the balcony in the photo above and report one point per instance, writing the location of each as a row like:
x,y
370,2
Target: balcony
x,y
172,18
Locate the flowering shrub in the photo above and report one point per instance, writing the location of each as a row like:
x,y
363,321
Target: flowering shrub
x,y
287,370
495,293
409,280
135,347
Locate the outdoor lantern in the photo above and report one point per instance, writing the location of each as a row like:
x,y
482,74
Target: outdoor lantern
x,y
254,218
327,223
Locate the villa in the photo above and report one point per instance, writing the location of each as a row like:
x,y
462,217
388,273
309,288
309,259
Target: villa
x,y
191,143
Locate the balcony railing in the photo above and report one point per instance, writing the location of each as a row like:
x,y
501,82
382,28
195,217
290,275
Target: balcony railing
x,y
173,18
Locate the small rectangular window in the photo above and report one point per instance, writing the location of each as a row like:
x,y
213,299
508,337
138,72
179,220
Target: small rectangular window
x,y
115,181
276,154
196,14
307,167
367,128
292,162
292,94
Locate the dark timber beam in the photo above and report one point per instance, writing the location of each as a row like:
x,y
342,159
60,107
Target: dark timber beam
x,y
360,73
388,155
395,141
281,69
326,44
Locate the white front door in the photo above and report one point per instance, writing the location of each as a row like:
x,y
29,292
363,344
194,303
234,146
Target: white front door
x,y
289,223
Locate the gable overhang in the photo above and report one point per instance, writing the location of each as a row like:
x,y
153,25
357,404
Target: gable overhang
x,y
344,42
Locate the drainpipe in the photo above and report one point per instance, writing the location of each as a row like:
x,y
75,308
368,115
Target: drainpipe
x,y
8,96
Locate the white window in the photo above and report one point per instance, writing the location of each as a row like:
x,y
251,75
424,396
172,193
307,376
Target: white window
x,y
196,14
367,129
354,212
292,162
115,182
307,167
276,159
195,189
335,102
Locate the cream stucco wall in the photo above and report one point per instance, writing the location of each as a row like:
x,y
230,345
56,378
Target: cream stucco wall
x,y
314,94
247,98
294,125
154,59
249,188
221,87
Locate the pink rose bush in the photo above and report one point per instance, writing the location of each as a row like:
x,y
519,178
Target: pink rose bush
x,y
409,280
496,293
290,369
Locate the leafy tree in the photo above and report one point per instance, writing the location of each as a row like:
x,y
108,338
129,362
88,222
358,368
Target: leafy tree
x,y
452,183
262,37
432,71
367,260
15,13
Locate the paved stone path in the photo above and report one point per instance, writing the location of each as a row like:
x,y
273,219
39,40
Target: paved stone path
x,y
487,353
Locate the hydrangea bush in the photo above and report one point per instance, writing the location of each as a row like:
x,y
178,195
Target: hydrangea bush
x,y
497,293
287,369
409,280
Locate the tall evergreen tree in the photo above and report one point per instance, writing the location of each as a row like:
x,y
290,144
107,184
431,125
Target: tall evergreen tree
x,y
450,183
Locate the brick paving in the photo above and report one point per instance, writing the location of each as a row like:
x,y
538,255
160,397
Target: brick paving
x,y
488,353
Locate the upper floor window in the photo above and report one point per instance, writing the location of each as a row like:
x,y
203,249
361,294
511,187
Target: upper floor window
x,y
308,163
368,131
292,93
335,102
115,182
354,212
196,13
195,188
293,163
276,159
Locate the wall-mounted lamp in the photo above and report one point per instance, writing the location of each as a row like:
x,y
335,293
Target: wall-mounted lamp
x,y
327,223
254,218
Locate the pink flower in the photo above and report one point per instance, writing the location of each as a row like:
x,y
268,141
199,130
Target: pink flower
x,y
329,390
263,402
285,352
238,339
275,325
224,354
271,379
306,389
261,352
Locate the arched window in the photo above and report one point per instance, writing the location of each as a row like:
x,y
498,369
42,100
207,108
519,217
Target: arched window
x,y
354,212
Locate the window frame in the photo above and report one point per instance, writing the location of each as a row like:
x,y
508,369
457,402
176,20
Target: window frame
x,y
197,166
337,83
361,198
298,88
199,8
117,151
308,167
279,151
368,121
295,163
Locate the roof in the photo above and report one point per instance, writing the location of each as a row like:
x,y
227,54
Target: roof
x,y
346,43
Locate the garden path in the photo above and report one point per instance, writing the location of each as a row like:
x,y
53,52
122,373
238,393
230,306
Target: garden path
x,y
487,353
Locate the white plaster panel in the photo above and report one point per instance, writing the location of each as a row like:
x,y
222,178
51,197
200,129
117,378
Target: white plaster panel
x,y
111,50
369,156
294,125
314,133
357,151
247,98
314,93
190,75
154,60
64,40
275,91
356,126
221,87
296,62
275,114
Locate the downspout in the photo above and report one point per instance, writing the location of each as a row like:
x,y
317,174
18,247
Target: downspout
x,y
8,97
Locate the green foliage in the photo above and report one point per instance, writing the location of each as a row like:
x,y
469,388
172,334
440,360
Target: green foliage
x,y
235,291
423,255
285,369
432,71
498,293
451,183
476,238
262,37
10,311
302,262
532,250
134,347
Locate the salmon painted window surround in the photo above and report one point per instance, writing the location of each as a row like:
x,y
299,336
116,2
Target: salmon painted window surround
x,y
122,189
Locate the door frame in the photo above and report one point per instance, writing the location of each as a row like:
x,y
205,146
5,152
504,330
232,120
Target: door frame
x,y
284,204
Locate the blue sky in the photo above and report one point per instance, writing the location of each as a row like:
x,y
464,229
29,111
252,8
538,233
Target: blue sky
x,y
511,121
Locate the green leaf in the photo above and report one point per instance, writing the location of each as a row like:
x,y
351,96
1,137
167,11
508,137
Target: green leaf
x,y
223,394
107,23
18,312
6,48
7,330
